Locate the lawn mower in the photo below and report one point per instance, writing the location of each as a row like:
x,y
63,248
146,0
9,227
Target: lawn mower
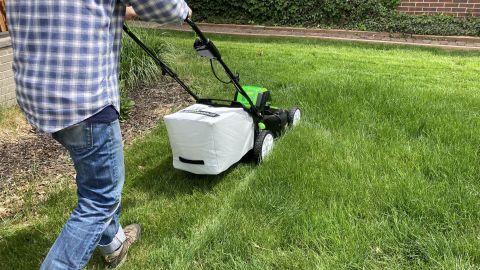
x,y
213,134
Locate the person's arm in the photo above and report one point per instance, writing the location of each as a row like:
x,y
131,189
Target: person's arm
x,y
162,11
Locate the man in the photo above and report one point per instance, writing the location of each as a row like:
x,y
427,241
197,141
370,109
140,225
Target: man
x,y
66,60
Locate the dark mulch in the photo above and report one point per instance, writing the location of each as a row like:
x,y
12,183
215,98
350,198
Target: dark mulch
x,y
36,164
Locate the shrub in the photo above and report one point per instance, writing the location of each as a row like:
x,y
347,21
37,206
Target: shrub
x,y
137,69
373,15
298,12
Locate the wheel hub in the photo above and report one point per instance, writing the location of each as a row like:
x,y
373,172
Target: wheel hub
x,y
296,117
267,145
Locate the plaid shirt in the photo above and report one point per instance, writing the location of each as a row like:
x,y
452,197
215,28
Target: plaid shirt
x,y
66,55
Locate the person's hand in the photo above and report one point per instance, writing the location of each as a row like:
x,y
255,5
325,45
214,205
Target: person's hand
x,y
189,13
130,14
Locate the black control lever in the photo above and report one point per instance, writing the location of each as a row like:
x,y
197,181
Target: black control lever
x,y
207,49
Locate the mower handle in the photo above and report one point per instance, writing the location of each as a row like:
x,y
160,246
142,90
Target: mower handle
x,y
197,30
234,79
165,69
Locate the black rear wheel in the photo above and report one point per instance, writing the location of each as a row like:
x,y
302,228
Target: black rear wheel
x,y
263,145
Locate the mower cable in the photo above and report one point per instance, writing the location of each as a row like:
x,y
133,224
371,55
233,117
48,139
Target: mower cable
x,y
215,74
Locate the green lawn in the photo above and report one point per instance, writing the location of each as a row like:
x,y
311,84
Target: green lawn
x,y
383,172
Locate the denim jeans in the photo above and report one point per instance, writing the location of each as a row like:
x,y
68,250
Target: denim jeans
x,y
97,153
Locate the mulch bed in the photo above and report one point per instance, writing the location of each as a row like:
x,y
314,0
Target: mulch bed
x,y
38,164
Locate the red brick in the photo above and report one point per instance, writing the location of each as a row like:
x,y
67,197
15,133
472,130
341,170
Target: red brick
x,y
455,7
439,4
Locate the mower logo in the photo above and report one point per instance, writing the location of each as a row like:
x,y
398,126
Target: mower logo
x,y
209,114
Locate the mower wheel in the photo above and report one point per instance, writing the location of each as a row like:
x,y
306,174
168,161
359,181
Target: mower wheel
x,y
294,115
263,145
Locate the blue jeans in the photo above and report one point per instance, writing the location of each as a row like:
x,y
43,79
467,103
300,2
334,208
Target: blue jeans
x,y
97,153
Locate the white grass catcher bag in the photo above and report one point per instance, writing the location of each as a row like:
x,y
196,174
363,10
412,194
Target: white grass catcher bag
x,y
208,140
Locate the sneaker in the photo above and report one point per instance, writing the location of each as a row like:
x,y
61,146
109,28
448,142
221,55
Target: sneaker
x,y
132,232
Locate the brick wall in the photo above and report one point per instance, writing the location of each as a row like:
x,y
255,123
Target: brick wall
x,y
461,8
7,83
